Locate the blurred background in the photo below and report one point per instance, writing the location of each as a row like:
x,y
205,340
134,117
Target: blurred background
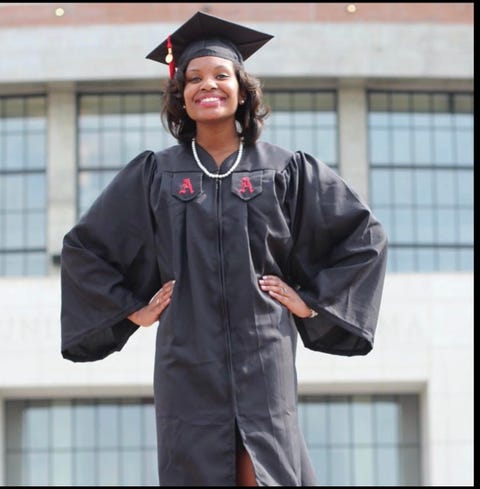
x,y
382,92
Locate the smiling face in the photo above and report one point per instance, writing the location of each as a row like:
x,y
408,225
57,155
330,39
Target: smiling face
x,y
211,90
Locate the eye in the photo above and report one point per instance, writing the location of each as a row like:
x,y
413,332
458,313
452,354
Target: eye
x,y
222,76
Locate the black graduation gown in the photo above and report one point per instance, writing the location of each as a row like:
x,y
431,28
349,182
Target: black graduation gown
x,y
225,350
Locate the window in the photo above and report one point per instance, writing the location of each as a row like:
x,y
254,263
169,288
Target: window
x,y
303,120
112,130
23,186
353,440
421,157
81,443
363,440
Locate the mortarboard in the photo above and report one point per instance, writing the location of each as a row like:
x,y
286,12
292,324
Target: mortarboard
x,y
207,35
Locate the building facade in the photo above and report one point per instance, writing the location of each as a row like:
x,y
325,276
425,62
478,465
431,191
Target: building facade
x,y
382,92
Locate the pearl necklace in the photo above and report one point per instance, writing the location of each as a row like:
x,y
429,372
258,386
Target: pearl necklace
x,y
217,175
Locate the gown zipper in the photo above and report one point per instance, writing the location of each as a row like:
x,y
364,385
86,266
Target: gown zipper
x,y
228,338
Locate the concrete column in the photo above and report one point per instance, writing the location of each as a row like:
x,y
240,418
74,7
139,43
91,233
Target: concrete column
x,y
61,169
3,481
352,115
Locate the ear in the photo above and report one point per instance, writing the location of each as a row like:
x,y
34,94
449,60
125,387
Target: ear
x,y
242,97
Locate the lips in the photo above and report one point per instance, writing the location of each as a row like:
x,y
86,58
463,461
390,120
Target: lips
x,y
210,101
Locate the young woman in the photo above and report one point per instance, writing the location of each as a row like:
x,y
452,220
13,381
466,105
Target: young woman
x,y
234,246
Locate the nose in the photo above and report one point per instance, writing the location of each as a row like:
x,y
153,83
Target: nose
x,y
209,83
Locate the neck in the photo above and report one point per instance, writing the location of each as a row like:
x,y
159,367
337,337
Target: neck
x,y
219,143
217,139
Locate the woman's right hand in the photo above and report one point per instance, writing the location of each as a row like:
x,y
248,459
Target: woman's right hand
x,y
149,314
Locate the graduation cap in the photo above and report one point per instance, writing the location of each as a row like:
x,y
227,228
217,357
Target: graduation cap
x,y
207,35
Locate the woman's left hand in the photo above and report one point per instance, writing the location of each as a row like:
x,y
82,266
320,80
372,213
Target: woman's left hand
x,y
284,294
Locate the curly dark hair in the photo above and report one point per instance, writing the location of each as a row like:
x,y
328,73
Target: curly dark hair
x,y
250,115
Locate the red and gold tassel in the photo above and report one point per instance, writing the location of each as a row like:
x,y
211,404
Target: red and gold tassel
x,y
169,59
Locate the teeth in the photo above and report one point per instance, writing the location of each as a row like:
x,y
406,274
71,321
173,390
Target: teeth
x,y
210,99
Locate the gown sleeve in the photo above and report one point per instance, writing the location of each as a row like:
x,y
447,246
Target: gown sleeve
x,y
338,260
108,267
